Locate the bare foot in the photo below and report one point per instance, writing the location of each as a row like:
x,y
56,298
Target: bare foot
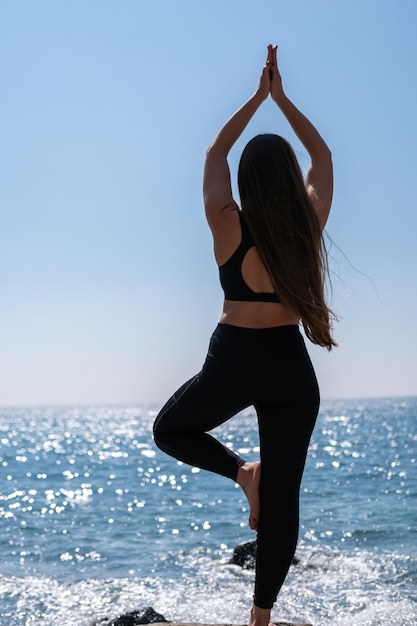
x,y
260,617
248,477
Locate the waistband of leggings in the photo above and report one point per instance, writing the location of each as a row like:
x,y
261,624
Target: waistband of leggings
x,y
284,330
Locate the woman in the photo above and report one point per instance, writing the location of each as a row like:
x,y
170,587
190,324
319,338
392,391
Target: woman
x,y
272,263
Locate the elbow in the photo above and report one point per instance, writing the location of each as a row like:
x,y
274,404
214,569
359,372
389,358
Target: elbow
x,y
217,149
328,153
325,153
213,151
324,156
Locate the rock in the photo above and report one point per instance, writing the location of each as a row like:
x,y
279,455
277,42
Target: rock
x,y
200,624
149,616
244,555
134,618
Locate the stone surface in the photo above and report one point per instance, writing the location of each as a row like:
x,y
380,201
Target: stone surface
x,y
126,620
135,618
244,555
150,616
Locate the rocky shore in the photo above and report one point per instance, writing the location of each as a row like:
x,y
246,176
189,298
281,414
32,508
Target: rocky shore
x,y
244,555
150,616
136,618
200,624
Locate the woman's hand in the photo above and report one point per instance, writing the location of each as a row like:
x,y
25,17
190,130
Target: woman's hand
x,y
264,87
276,89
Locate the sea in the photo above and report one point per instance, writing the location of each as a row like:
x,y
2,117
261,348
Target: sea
x,y
95,521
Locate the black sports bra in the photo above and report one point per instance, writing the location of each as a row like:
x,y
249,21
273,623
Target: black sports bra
x,y
230,273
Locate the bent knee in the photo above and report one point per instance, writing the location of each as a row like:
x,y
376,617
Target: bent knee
x,y
160,438
163,430
157,430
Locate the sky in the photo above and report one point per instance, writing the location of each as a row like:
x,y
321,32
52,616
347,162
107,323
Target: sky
x,y
109,289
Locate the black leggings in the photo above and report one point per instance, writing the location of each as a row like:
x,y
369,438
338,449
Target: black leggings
x,y
270,369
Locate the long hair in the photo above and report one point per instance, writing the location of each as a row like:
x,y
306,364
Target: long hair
x,y
286,231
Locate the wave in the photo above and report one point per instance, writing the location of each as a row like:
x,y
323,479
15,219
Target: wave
x,y
323,588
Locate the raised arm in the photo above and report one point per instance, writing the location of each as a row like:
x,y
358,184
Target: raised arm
x,y
319,179
217,189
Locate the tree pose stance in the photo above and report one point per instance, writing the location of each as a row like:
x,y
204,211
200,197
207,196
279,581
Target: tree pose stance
x,y
273,267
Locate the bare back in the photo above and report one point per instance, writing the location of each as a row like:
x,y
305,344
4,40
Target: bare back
x,y
227,234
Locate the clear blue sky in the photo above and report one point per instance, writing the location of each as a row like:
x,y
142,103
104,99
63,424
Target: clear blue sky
x,y
109,290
